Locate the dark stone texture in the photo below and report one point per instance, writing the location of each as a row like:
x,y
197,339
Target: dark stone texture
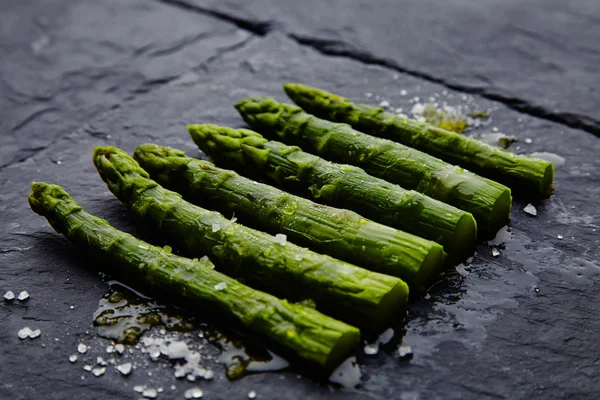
x,y
512,51
483,332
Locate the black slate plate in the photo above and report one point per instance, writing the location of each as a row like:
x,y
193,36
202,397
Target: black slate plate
x,y
519,325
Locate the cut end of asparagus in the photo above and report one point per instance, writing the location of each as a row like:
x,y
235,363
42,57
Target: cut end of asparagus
x,y
547,183
465,232
430,268
393,303
500,214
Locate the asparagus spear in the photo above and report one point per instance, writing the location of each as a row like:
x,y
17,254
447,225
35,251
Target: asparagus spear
x,y
488,201
302,330
517,171
341,233
343,185
352,293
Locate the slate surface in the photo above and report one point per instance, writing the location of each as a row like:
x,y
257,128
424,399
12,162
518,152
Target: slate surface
x,y
521,325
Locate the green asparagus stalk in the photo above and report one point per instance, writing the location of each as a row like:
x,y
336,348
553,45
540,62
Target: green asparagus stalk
x,y
340,233
516,171
488,201
300,329
341,289
343,186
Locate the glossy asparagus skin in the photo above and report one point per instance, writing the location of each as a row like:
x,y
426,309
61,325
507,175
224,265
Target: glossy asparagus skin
x,y
516,171
302,330
340,233
488,201
343,186
354,294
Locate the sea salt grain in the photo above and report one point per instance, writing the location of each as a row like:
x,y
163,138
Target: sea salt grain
x,y
150,393
35,333
73,358
125,369
220,286
252,394
82,348
560,237
495,252
23,295
88,367
281,239
530,209
371,349
384,103
24,333
119,348
193,393
404,351
216,227
9,295
138,388
99,371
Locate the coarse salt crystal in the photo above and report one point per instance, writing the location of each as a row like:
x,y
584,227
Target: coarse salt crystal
x,y
9,295
73,358
216,227
193,393
100,361
24,333
528,140
252,394
119,348
404,351
35,333
82,348
530,209
403,92
88,367
138,388
99,371
560,236
281,239
125,369
150,393
384,103
495,252
220,286
371,349
23,295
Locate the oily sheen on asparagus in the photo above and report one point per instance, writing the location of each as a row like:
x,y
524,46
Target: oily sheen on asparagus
x,y
300,329
514,170
340,233
342,186
352,293
488,201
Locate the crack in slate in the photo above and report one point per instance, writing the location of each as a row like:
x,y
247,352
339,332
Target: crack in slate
x,y
257,28
343,49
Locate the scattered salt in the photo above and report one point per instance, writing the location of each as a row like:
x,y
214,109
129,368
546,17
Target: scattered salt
x,y
138,388
216,227
298,257
100,361
384,103
72,307
73,358
553,158
9,295
88,367
150,393
99,371
368,95
119,348
528,140
281,239
494,129
386,336
82,348
495,252
252,394
560,236
110,349
190,378
193,393
35,333
403,92
371,349
125,369
24,333
23,295
530,209
220,286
